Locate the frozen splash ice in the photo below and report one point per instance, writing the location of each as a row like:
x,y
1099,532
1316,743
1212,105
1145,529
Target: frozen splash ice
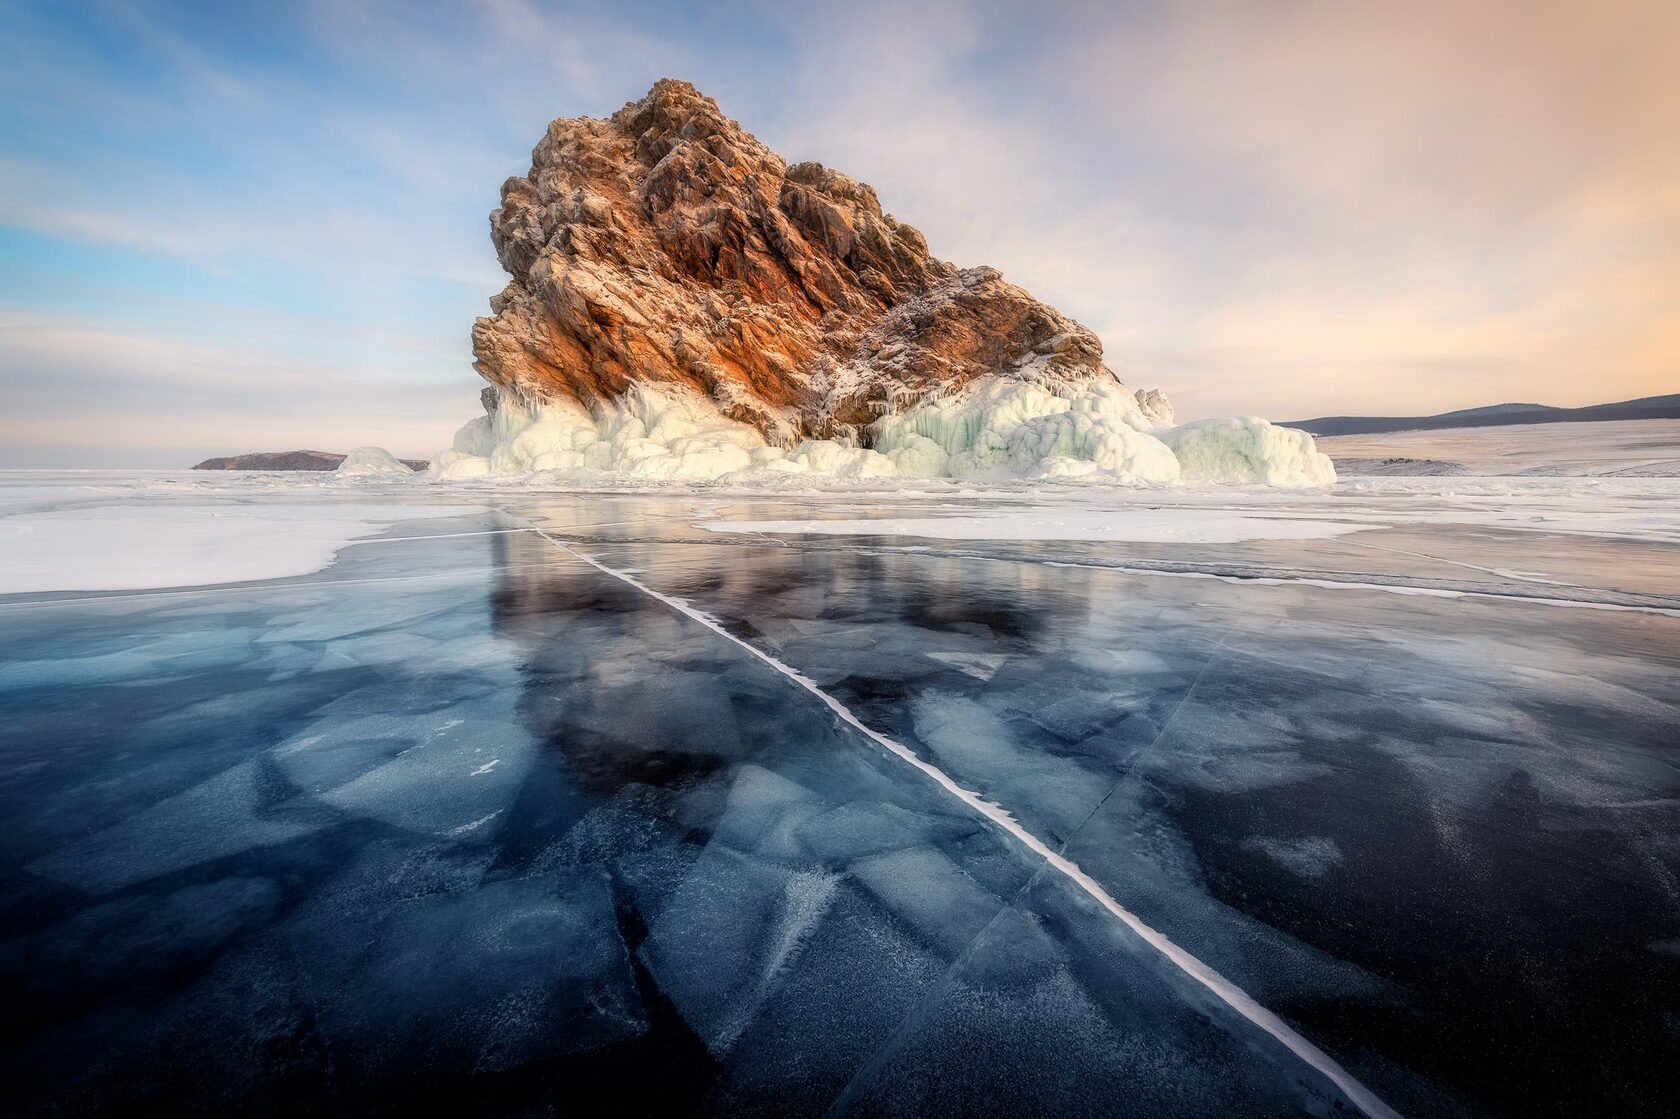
x,y
997,429
148,544
372,462
1245,450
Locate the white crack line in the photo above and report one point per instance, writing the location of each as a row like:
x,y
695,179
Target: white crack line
x,y
1223,989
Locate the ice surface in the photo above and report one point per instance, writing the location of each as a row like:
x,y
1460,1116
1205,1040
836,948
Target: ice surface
x,y
1172,954
974,742
468,818
1627,508
1626,448
763,814
164,655
145,936
1310,856
131,547
1203,526
1035,1019
996,428
859,978
482,976
861,829
441,776
932,895
223,816
721,941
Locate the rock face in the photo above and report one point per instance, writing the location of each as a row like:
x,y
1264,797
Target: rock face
x,y
685,307
665,246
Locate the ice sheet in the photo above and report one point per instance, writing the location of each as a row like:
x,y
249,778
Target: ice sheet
x,y
1629,447
154,544
1234,998
1203,526
222,816
1628,508
541,823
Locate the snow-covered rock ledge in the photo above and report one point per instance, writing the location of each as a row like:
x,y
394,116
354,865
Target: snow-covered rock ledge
x,y
995,429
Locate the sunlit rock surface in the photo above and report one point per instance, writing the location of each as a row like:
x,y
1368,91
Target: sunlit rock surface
x,y
666,246
685,305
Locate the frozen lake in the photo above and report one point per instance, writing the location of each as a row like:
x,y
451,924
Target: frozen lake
x,y
399,797
1629,448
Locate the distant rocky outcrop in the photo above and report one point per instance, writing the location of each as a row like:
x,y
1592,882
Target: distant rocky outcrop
x,y
288,460
1496,415
665,246
1398,467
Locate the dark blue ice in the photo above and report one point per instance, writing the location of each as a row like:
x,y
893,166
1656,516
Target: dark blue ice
x,y
466,822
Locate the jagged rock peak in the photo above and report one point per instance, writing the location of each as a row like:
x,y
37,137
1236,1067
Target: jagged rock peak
x,y
667,246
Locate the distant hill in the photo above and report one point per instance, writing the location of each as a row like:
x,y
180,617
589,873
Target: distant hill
x,y
287,460
1645,408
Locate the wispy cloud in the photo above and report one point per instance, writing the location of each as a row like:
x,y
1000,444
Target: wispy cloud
x,y
1292,208
136,392
1284,208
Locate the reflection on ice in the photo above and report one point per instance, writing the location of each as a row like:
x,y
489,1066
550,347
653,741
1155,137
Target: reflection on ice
x,y
466,821
184,545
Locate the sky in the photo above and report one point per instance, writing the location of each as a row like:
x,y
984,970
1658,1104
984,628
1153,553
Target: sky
x,y
237,227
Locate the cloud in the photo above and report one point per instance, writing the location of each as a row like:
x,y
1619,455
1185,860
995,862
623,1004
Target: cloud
x,y
1285,208
82,382
1305,206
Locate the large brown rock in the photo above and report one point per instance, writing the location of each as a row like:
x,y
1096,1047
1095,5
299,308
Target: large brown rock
x,y
665,245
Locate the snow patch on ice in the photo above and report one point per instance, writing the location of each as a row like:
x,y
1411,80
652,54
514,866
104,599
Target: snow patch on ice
x,y
137,547
995,429
1615,448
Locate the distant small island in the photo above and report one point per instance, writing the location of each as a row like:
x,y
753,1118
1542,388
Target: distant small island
x,y
289,460
1496,415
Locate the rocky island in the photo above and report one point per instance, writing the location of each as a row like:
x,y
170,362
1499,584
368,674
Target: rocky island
x,y
289,460
667,246
686,304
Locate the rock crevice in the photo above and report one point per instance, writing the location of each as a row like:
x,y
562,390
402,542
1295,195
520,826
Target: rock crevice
x,y
665,246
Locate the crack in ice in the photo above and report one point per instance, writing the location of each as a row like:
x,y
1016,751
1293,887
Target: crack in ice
x,y
1227,992
1267,577
1387,588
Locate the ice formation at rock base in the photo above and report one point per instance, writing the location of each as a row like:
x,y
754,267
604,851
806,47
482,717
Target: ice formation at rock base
x,y
686,306
997,429
372,462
